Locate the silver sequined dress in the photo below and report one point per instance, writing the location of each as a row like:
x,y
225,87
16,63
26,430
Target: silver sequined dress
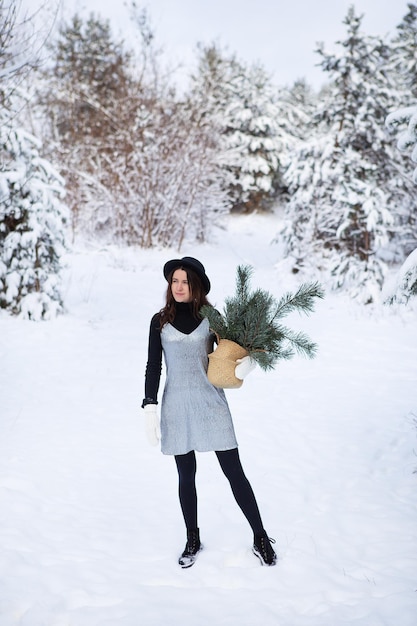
x,y
194,414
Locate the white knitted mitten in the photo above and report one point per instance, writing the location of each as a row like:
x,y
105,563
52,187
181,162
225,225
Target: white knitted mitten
x,y
244,367
152,428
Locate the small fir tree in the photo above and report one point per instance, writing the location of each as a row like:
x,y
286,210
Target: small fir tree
x,y
252,319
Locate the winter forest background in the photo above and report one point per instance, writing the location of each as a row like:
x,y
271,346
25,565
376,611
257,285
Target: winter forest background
x,y
98,144
107,169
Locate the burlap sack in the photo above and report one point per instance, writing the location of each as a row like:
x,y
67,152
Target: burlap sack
x,y
222,363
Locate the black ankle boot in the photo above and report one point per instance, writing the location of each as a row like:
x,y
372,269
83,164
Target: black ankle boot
x,y
263,550
192,548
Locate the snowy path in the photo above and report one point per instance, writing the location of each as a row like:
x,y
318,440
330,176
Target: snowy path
x,y
90,527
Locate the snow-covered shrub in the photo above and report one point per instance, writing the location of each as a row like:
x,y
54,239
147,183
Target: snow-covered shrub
x,y
32,228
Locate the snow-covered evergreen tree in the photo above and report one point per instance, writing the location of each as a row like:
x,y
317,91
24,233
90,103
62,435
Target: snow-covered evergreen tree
x,y
251,141
403,120
403,56
403,67
32,216
32,228
90,71
347,191
297,110
406,284
241,104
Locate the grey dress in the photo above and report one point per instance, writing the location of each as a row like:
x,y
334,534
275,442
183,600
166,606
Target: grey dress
x,y
194,414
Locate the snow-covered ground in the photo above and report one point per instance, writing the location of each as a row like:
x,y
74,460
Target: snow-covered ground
x,y
90,525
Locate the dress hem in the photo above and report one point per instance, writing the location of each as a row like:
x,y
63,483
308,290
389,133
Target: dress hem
x,y
200,450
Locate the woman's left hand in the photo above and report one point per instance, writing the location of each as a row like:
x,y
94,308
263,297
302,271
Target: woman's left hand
x,y
244,367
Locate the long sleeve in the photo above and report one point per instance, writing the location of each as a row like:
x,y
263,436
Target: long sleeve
x,y
154,364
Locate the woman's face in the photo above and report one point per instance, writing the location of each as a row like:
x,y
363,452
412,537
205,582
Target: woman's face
x,y
180,287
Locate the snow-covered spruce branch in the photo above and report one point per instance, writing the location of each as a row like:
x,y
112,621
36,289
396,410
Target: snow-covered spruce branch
x,y
406,281
408,137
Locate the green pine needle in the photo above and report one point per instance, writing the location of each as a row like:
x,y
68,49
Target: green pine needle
x,y
251,320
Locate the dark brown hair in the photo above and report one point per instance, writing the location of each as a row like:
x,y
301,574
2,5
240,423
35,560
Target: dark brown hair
x,y
197,293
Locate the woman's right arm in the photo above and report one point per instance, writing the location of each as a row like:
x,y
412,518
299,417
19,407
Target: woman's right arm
x,y
154,364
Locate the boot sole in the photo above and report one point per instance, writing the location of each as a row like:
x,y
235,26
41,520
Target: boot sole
x,y
259,555
192,559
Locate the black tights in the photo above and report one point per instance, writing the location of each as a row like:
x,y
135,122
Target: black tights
x,y
232,468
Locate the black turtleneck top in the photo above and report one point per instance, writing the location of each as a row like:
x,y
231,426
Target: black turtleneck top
x,y
186,323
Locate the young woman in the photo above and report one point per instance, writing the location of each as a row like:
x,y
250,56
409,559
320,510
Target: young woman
x,y
195,415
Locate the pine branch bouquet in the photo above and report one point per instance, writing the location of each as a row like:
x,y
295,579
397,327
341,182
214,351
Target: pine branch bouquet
x,y
251,325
